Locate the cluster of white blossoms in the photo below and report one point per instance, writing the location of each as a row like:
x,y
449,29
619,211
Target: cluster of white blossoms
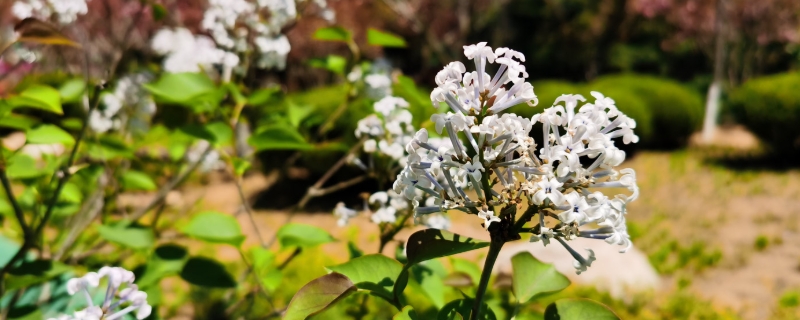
x,y
210,162
494,155
129,104
64,11
118,301
186,52
240,26
386,132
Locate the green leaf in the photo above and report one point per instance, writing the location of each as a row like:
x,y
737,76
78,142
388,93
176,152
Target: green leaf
x,y
433,243
279,137
354,251
532,278
131,237
30,273
377,37
578,309
236,94
49,134
265,269
18,122
467,267
406,314
38,97
221,132
137,180
318,295
71,193
182,88
338,34
159,12
374,272
205,272
302,235
215,227
333,63
297,113
462,308
198,131
429,276
240,166
72,90
108,147
262,96
22,166
167,260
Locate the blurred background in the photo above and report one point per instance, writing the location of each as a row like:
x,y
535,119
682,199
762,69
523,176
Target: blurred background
x,y
712,84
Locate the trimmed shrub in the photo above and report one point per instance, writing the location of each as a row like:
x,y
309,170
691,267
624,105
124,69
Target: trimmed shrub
x,y
676,111
770,108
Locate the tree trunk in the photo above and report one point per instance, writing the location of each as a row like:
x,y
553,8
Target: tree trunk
x,y
714,91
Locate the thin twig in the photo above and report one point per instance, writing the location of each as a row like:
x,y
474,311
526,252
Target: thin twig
x,y
249,210
10,194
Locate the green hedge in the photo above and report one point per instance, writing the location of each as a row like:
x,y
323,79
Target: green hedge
x,y
676,111
770,108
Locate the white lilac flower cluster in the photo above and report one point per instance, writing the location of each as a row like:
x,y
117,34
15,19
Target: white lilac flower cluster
x,y
494,155
115,299
210,162
129,93
239,26
64,11
186,52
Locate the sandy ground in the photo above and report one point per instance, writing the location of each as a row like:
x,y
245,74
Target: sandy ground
x,y
682,198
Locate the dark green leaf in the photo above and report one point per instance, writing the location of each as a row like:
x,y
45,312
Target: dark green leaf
x,y
39,97
205,272
532,278
433,243
302,235
406,314
318,295
215,227
198,131
262,96
30,273
49,134
131,237
279,137
159,12
338,34
578,309
374,272
376,37
355,252
136,180
462,308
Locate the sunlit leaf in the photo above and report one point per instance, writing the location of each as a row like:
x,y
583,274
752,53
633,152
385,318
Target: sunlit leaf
x,y
338,34
318,295
297,113
429,277
532,278
18,122
215,227
265,268
131,237
406,314
374,272
72,90
22,166
578,309
49,134
433,243
302,235
333,63
377,37
137,180
182,88
39,97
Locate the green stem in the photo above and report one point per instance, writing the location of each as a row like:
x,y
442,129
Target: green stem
x,y
491,257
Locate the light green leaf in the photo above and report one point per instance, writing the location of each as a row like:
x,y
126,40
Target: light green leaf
x,y
377,37
433,243
338,34
374,272
221,132
137,180
262,96
578,309
240,166
215,227
279,137
333,63
318,295
72,90
297,113
182,88
39,97
406,314
49,134
429,276
18,122
167,260
205,272
131,237
265,269
71,193
22,166
237,95
302,235
532,278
